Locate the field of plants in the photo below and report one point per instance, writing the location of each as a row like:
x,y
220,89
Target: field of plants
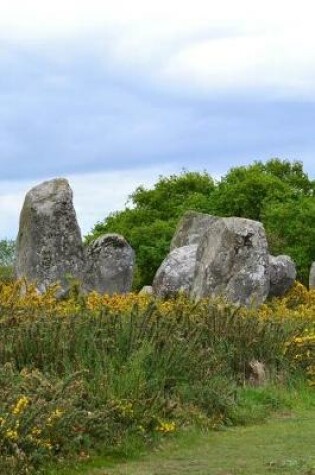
x,y
86,373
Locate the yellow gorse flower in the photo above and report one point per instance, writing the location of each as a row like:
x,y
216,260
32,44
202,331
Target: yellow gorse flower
x,y
12,434
36,432
166,427
20,405
25,302
55,415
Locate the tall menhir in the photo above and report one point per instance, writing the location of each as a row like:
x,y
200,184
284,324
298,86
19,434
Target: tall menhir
x,y
49,243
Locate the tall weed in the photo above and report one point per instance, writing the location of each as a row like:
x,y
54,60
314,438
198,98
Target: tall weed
x,y
103,367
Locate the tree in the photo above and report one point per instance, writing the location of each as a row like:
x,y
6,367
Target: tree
x,y
150,221
290,228
281,196
7,252
246,191
277,192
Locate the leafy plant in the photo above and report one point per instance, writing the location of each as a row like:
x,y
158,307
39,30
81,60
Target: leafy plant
x,y
7,252
278,193
87,372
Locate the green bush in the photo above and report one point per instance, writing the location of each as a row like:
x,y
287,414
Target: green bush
x,y
90,372
278,193
7,252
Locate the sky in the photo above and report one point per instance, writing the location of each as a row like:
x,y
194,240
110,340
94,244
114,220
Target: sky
x,y
113,94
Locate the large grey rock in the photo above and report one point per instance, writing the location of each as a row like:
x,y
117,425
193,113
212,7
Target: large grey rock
x,y
176,272
191,228
282,275
49,243
109,265
312,277
233,261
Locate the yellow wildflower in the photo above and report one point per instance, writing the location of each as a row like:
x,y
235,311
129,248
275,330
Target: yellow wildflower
x,y
20,405
36,432
166,427
57,414
12,434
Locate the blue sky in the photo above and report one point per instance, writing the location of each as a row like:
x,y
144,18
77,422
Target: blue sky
x,y
113,94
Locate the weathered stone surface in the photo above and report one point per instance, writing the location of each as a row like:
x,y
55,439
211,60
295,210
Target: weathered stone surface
x,y
146,290
109,265
49,243
282,275
312,277
191,228
257,373
233,261
176,272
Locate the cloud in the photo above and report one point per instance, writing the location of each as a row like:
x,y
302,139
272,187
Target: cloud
x,y
95,195
63,117
98,194
192,45
129,90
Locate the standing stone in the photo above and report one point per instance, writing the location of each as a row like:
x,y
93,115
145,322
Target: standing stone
x,y
257,373
176,272
233,262
191,228
146,290
109,265
49,243
312,277
282,275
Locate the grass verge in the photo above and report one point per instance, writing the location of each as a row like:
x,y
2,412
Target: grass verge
x,y
282,443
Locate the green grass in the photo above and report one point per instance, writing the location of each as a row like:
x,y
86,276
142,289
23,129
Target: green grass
x,y
284,445
106,382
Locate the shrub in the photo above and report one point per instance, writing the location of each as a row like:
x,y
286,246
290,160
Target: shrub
x,y
91,370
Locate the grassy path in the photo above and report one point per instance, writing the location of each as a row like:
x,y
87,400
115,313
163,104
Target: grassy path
x,y
283,446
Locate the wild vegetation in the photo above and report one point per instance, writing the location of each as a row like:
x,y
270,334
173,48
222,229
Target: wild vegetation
x,y
87,373
284,445
278,193
7,250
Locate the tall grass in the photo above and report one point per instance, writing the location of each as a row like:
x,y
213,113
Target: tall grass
x,y
94,369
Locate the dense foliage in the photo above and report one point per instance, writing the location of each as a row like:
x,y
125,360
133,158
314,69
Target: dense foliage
x,y
87,372
7,251
278,193
149,223
84,373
